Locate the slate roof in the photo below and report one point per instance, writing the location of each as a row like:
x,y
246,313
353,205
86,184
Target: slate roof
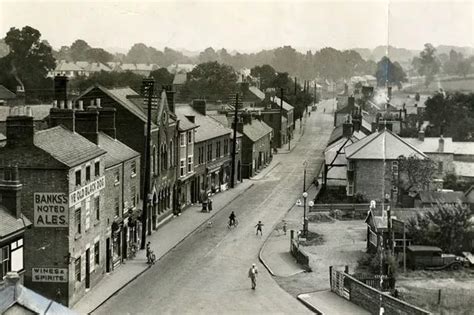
x,y
258,93
185,124
431,144
6,94
222,119
208,127
16,300
286,106
67,66
463,148
39,112
96,67
435,197
337,134
180,78
382,145
66,146
10,224
256,130
464,169
117,152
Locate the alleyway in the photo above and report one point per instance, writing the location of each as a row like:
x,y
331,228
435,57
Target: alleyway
x,y
207,273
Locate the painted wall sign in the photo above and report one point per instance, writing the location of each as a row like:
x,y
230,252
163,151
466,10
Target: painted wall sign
x,y
51,210
49,274
86,191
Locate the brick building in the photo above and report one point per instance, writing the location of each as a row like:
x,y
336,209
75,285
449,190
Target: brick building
x,y
212,151
63,195
12,224
256,145
186,129
372,164
131,119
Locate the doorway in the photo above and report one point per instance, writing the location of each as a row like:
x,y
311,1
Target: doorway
x,y
88,268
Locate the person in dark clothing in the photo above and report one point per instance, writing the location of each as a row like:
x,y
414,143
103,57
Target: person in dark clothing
x,y
209,204
259,227
232,219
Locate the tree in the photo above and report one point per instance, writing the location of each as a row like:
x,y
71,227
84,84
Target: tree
x,y
208,55
162,77
139,53
388,72
98,55
446,227
210,80
266,74
427,64
79,49
415,174
27,63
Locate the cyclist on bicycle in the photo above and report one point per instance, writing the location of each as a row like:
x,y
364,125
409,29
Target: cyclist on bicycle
x,y
232,219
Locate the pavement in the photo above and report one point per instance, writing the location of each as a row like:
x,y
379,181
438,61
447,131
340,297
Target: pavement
x,y
163,240
327,302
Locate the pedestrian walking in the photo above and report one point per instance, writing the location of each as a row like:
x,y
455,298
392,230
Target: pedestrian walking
x,y
209,205
253,276
259,227
148,251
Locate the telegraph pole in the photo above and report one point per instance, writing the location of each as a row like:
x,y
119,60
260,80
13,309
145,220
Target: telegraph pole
x,y
281,116
234,140
148,87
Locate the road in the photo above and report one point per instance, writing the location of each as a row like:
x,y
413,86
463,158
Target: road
x,y
207,273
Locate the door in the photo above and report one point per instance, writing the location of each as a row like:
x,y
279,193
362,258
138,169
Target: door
x,y
107,254
88,268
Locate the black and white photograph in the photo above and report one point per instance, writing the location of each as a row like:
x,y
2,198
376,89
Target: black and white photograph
x,y
237,157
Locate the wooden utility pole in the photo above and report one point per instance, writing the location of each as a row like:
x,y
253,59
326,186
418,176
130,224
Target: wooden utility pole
x,y
234,140
148,87
281,116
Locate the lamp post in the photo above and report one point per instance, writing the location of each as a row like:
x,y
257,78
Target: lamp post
x,y
305,220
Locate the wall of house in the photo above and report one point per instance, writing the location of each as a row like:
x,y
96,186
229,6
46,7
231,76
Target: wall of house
x,y
447,163
368,178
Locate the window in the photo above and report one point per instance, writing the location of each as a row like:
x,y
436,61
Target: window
x,y
190,164
97,169
209,152
88,173
440,167
78,178
154,158
190,137
117,177
77,218
117,206
350,189
200,155
395,168
226,146
351,166
16,255
171,154
97,208
182,167
218,149
4,261
77,269
182,141
133,168
133,196
97,253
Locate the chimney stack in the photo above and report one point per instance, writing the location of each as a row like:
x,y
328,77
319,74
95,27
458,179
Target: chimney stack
x,y
199,106
441,144
62,112
20,95
346,129
20,129
107,121
10,191
421,135
87,124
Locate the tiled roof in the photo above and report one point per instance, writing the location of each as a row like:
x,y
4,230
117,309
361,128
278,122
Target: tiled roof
x,y
39,112
185,124
16,299
222,119
96,67
382,145
258,93
463,148
208,127
256,130
435,197
68,66
66,146
337,134
431,144
286,106
82,64
117,152
10,224
6,94
180,78
464,169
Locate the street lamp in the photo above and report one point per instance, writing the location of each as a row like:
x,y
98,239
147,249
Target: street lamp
x,y
305,220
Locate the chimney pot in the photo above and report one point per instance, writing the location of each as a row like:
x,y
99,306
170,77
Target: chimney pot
x,y
29,111
80,104
61,104
97,102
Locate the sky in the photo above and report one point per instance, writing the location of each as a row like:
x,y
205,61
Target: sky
x,y
245,25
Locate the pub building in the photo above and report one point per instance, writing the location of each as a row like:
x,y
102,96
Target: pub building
x,y
62,174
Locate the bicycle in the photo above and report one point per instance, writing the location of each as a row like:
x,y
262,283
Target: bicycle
x,y
236,223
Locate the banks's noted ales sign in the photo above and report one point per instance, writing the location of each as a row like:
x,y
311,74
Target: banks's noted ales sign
x,y
51,210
